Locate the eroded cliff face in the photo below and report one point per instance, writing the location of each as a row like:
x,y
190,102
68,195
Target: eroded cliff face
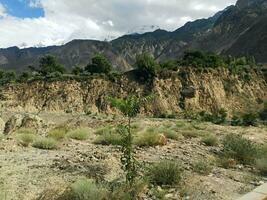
x,y
174,92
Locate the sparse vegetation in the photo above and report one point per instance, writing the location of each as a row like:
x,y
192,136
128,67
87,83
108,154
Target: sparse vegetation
x,y
79,134
86,189
210,140
218,117
239,148
165,173
45,143
202,167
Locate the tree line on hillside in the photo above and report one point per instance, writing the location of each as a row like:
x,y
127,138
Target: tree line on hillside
x,y
146,66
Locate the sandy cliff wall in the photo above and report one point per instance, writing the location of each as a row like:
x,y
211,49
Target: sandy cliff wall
x,y
190,90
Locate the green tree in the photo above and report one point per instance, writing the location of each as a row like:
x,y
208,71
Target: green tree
x,y
7,77
48,64
146,65
99,64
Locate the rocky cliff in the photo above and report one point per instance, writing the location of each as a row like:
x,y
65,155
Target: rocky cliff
x,y
174,92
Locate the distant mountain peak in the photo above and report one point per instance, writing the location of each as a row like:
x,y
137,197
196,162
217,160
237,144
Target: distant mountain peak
x,y
143,29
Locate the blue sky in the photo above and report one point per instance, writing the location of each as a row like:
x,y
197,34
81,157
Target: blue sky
x,y
22,9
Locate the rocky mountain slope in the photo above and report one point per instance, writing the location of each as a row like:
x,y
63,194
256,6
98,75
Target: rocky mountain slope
x,y
174,92
238,30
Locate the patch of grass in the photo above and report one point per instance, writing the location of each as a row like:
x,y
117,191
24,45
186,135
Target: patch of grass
x,y
148,138
79,134
261,165
45,143
169,133
210,140
190,134
181,124
58,133
86,189
104,130
202,167
25,139
165,173
109,138
239,148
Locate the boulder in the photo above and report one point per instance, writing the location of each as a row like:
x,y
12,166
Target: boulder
x,y
188,92
13,124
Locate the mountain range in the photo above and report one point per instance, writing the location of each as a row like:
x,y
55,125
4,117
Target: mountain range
x,y
238,30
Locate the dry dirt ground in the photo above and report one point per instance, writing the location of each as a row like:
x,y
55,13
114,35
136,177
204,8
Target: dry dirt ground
x,y
26,172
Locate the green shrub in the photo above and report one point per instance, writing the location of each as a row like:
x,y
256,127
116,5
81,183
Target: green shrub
x,y
45,143
25,131
165,173
202,167
236,121
261,165
58,133
109,138
218,117
146,65
86,189
249,119
25,139
210,140
239,148
79,134
263,112
171,134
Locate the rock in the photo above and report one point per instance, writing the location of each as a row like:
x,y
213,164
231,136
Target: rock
x,y
2,126
32,121
188,92
13,124
162,140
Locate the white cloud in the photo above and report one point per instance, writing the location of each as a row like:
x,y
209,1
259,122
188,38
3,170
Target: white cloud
x,y
65,20
2,11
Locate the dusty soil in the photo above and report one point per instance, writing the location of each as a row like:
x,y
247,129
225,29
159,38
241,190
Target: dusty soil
x,y
26,172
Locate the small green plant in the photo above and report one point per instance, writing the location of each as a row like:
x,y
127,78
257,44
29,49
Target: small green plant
x,y
129,107
45,143
202,167
165,173
210,140
86,189
25,139
25,131
239,148
58,133
79,134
